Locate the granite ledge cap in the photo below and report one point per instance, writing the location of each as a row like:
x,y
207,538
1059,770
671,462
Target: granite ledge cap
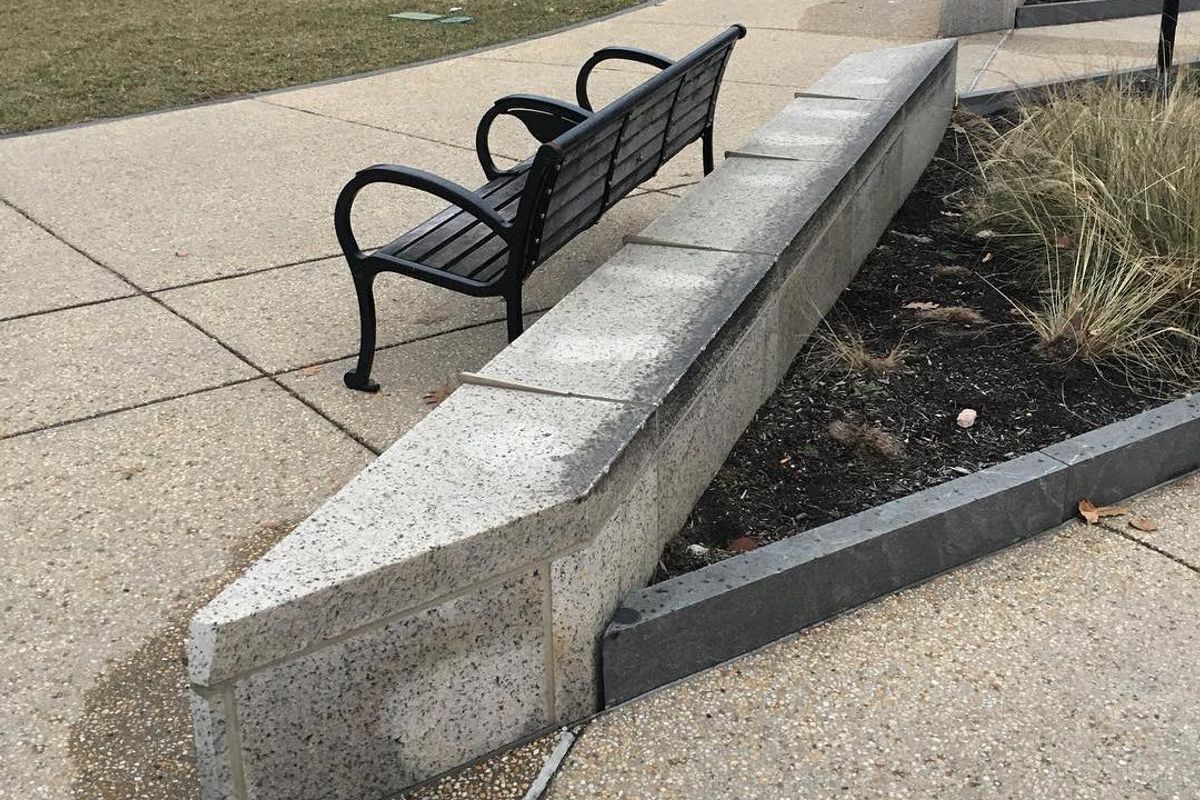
x,y
492,480
750,206
636,327
881,74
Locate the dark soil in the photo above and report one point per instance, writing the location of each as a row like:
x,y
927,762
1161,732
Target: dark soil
x,y
789,472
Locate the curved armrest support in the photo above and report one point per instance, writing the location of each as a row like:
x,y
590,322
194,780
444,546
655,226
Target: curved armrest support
x,y
544,117
427,182
614,54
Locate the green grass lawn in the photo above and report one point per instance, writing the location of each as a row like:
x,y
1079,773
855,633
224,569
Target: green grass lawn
x,y
71,60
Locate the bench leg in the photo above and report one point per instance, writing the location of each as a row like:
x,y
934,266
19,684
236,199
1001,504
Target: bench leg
x,y
516,321
707,140
360,377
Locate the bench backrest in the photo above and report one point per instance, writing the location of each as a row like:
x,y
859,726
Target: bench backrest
x,y
578,176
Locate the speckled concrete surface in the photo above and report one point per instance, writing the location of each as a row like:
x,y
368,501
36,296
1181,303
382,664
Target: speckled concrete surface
x,y
114,528
1174,511
111,532
1063,668
506,776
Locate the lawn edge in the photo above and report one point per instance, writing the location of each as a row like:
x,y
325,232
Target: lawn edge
x,y
233,98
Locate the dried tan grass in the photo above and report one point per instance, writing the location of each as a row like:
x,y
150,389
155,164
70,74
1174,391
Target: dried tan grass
x,y
866,439
1102,187
846,350
952,315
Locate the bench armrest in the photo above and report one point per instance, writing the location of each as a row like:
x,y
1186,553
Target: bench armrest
x,y
427,182
544,117
614,54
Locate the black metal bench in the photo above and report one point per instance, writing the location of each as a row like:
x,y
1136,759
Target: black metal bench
x,y
489,240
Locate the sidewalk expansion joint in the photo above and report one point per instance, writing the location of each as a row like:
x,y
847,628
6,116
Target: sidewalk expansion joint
x,y
392,131
68,307
1151,547
254,271
133,407
987,62
159,302
423,338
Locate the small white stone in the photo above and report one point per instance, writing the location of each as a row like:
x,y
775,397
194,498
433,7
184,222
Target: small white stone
x,y
967,417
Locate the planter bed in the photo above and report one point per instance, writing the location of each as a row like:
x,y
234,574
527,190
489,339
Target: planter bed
x,y
822,525
790,473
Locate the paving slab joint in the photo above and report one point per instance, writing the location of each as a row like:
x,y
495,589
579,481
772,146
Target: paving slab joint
x,y
1150,546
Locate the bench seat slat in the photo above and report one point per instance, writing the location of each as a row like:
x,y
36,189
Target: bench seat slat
x,y
497,192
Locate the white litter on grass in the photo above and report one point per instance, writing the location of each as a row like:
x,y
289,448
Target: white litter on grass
x,y
415,16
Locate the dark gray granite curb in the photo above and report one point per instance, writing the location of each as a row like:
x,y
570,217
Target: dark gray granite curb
x,y
695,621
1091,11
989,101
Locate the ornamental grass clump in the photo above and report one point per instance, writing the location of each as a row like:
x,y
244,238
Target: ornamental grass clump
x,y
1098,191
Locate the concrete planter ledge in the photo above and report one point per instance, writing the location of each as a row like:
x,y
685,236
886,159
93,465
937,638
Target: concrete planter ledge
x,y
964,17
451,599
695,621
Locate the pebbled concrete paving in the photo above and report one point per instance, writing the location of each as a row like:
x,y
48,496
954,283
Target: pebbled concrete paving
x,y
174,322
1062,668
113,531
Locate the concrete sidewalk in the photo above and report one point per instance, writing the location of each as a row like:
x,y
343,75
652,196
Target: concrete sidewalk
x,y
1062,668
174,323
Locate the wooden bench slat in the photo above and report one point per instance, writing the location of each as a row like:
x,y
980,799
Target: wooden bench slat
x,y
500,190
505,201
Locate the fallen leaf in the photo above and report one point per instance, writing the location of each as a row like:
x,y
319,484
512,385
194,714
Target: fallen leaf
x,y
921,305
1143,524
437,396
1093,513
742,544
313,370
